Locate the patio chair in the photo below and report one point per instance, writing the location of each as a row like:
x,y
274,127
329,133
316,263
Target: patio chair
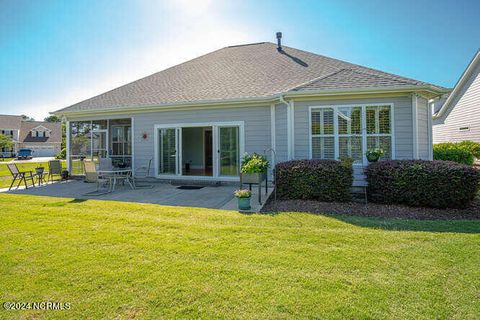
x,y
20,176
144,171
54,168
91,175
105,164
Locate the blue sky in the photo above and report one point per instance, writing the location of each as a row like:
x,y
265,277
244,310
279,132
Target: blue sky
x,y
56,53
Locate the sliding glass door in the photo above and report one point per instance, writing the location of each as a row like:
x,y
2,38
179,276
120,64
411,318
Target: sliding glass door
x,y
203,150
229,151
168,146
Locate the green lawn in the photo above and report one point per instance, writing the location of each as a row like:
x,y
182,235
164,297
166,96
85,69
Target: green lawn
x,y
119,260
6,177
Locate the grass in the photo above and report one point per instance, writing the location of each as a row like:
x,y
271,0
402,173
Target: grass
x,y
6,177
126,260
6,159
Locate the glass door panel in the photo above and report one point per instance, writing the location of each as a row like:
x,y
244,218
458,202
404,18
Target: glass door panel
x,y
167,151
229,151
99,145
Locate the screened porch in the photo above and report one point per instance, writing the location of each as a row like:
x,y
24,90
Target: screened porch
x,y
96,139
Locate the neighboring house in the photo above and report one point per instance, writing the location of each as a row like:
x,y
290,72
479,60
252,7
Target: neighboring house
x,y
44,138
196,119
456,116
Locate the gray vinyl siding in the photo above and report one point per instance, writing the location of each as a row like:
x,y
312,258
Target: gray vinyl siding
x,y
463,112
256,121
423,132
281,144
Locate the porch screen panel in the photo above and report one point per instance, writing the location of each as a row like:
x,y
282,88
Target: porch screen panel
x,y
229,151
168,151
80,145
323,141
379,129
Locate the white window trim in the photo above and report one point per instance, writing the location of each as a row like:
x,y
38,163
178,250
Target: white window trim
x,y
364,128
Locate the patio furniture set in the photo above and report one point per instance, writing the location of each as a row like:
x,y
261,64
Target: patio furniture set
x,y
54,169
106,176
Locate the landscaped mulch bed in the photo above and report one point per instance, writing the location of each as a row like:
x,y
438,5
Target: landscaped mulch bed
x,y
373,210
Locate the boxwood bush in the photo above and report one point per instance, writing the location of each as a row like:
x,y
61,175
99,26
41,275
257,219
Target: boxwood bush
x,y
438,184
462,152
322,180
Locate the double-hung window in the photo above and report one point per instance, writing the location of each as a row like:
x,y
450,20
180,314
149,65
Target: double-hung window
x,y
349,131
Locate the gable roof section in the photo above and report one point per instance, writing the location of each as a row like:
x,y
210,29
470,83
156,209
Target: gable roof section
x,y
10,122
54,127
350,78
240,72
459,85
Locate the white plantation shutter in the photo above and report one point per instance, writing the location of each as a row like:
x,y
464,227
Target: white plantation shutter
x,y
348,131
379,131
323,139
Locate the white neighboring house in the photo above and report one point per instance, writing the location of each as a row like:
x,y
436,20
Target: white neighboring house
x,y
44,138
456,116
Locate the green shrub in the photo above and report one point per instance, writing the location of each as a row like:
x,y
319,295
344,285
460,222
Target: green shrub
x,y
322,180
473,147
453,152
420,183
254,163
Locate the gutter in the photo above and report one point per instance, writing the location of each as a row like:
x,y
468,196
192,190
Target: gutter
x,y
280,97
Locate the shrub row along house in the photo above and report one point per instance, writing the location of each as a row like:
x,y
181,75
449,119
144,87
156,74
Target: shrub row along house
x,y
196,119
43,138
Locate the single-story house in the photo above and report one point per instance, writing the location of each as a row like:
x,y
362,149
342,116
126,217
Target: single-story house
x,y
195,120
456,116
43,138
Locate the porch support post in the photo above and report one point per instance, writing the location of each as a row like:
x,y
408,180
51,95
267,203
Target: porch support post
x,y
430,131
67,146
290,130
415,125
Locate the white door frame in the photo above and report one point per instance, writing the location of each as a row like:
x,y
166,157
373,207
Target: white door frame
x,y
215,144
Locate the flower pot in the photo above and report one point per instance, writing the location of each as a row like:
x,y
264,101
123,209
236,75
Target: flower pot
x,y
244,203
253,177
372,159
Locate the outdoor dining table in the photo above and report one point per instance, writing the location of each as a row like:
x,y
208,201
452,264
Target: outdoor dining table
x,y
115,175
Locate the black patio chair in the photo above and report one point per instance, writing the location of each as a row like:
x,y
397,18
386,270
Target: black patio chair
x,y
20,176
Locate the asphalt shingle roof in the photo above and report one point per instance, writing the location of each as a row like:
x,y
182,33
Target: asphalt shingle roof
x,y
245,71
54,127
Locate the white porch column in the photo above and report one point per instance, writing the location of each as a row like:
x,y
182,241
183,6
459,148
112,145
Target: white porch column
x,y
415,125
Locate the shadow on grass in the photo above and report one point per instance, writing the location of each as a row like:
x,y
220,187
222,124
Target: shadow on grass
x,y
76,200
397,224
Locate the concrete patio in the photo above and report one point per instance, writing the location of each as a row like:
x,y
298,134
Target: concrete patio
x,y
215,197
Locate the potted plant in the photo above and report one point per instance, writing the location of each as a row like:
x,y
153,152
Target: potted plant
x,y
243,196
39,170
254,168
374,154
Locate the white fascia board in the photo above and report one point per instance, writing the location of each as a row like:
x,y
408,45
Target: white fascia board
x,y
249,101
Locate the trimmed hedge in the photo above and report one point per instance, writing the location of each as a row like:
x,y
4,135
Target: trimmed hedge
x,y
322,180
421,183
463,152
441,152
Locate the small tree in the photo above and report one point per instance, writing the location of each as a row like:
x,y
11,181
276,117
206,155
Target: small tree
x,y
5,142
52,118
